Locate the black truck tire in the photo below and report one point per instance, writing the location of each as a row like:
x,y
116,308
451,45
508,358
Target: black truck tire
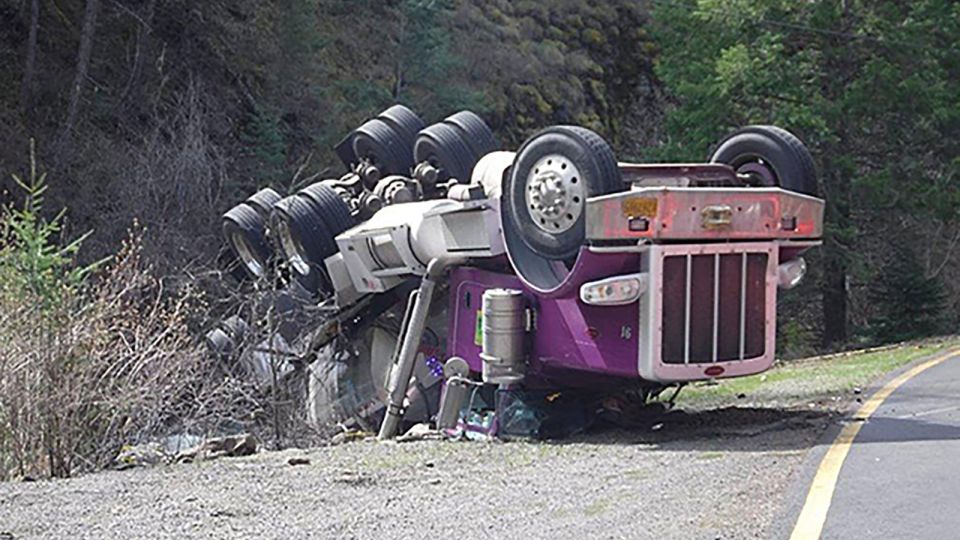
x,y
263,201
332,209
564,165
305,241
245,232
444,147
379,143
404,122
477,134
769,156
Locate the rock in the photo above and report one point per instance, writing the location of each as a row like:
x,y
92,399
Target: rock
x,y
298,461
244,444
354,478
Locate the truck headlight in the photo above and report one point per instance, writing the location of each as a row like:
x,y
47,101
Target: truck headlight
x,y
614,291
790,273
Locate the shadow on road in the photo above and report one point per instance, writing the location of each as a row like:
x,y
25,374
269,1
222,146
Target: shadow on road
x,y
886,429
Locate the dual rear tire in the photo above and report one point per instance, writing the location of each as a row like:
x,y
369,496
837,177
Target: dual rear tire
x,y
306,225
245,228
455,145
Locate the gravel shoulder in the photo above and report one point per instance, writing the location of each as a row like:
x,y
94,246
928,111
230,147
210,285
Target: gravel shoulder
x,y
712,470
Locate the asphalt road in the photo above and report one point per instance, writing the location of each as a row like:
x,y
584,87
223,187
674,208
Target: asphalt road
x,y
901,478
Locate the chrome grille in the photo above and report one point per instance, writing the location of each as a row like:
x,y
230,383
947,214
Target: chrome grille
x,y
713,307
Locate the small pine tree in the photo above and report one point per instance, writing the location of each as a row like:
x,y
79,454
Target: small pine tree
x,y
33,263
264,139
910,304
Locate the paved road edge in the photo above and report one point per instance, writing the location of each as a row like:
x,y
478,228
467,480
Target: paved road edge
x,y
795,497
795,521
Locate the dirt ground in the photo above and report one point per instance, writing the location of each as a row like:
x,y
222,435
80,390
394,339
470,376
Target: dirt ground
x,y
717,468
713,474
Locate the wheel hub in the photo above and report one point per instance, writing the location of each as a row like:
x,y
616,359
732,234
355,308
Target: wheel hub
x,y
245,252
554,194
293,249
759,172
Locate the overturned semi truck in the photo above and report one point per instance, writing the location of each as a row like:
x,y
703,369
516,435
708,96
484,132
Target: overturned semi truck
x,y
440,262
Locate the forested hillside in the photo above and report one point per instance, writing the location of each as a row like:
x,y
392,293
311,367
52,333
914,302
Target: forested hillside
x,y
168,111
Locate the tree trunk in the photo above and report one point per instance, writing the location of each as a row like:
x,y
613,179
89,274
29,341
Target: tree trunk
x,y
133,90
30,67
83,65
837,174
834,291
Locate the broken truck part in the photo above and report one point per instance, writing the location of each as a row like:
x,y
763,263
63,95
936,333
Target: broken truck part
x,y
554,266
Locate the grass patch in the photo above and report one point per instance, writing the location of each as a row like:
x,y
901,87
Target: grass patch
x,y
805,380
596,508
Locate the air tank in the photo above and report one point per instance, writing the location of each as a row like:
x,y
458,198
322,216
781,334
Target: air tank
x,y
455,392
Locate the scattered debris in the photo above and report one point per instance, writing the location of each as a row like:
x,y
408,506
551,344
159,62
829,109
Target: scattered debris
x,y
165,450
631,412
174,444
141,455
477,426
223,513
420,432
349,436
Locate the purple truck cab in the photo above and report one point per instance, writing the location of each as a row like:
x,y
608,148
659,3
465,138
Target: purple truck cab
x,y
703,266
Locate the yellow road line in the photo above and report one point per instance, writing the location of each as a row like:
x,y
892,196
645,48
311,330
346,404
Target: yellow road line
x,y
814,514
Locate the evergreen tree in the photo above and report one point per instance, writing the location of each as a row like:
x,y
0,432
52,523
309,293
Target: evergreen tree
x,y
911,305
264,141
869,86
